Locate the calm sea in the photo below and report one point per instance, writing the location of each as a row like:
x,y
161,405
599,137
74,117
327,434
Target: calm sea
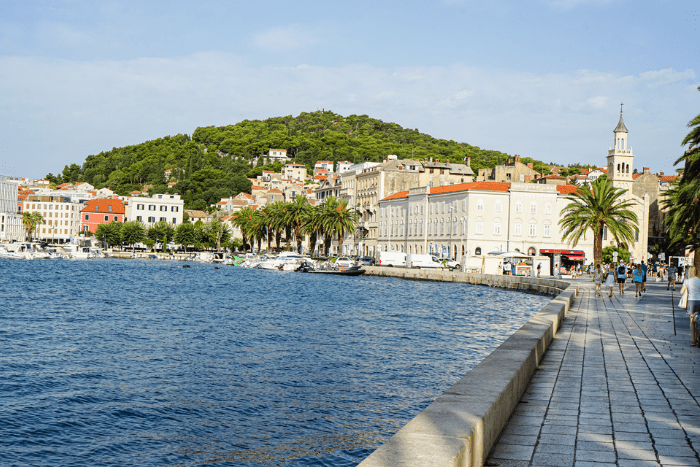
x,y
123,362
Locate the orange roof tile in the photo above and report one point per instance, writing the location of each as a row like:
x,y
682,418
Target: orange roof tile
x,y
566,189
103,206
668,178
274,190
399,195
480,186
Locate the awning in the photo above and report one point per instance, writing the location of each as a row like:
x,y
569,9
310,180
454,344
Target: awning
x,y
576,258
564,252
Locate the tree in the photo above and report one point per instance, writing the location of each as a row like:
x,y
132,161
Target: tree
x,y
109,233
313,226
295,213
339,220
683,200
161,231
622,254
132,233
595,208
185,234
30,222
243,219
217,232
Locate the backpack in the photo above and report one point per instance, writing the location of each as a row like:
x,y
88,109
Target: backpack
x,y
620,270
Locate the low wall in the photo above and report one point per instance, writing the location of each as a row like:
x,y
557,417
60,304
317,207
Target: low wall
x,y
462,425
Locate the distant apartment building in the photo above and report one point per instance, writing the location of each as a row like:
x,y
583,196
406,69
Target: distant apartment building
x,y
159,207
343,167
11,227
295,172
61,216
512,171
100,211
277,155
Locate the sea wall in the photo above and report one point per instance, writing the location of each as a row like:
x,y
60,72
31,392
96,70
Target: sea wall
x,y
462,425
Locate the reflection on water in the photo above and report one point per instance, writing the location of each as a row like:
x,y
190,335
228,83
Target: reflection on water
x,y
109,362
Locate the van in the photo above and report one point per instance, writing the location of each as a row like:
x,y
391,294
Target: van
x,y
392,259
429,261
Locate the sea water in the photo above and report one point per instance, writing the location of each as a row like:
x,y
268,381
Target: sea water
x,y
130,362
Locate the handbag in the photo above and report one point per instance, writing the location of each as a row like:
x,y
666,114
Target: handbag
x,y
684,300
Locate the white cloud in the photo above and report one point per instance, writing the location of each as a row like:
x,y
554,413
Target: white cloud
x,y
288,38
59,112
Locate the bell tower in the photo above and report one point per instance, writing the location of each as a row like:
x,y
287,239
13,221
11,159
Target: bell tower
x,y
620,158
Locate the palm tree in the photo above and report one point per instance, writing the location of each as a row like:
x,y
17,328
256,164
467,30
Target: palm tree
x,y
276,221
312,225
31,221
339,220
243,220
683,200
257,229
596,208
295,214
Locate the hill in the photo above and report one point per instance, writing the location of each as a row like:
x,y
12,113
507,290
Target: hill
x,y
215,162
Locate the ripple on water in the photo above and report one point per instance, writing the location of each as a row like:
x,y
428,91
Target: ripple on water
x,y
111,362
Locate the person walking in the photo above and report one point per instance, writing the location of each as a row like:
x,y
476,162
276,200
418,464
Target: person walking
x,y
610,280
671,272
691,286
644,278
681,272
621,276
539,267
638,275
597,278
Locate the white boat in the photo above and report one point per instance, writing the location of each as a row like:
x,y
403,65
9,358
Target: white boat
x,y
286,261
19,250
75,251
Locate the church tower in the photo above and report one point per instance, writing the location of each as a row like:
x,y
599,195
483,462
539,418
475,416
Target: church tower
x,y
620,159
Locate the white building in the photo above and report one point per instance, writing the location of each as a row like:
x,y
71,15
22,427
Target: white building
x,y
343,166
61,217
277,155
11,227
295,172
159,207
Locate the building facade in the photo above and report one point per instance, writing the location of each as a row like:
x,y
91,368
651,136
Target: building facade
x,y
11,227
159,207
100,211
61,217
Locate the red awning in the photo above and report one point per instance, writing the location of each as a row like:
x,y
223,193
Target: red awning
x,y
576,258
565,252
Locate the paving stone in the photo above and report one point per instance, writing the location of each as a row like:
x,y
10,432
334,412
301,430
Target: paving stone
x,y
553,460
512,452
555,449
595,456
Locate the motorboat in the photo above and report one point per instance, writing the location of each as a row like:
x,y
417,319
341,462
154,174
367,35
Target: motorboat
x,y
76,251
285,261
350,271
19,250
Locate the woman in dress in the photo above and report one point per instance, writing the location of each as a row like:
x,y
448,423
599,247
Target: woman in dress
x,y
610,280
597,278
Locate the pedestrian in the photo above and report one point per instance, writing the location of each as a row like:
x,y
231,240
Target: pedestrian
x,y
644,279
621,276
597,278
539,267
655,269
672,271
638,274
681,272
506,268
610,280
691,286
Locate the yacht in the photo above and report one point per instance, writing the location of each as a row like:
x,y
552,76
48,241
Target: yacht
x,y
20,250
286,261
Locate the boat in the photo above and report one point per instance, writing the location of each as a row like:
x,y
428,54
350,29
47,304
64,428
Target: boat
x,y
285,261
351,271
19,250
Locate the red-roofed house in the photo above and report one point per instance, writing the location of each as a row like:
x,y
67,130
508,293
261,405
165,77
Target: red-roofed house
x,y
100,211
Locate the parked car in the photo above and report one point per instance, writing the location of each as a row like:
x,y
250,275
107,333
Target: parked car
x,y
365,261
344,262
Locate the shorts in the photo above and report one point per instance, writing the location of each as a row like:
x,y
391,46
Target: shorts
x,y
621,280
671,278
644,279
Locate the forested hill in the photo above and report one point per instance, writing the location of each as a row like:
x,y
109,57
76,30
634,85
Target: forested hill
x,y
216,161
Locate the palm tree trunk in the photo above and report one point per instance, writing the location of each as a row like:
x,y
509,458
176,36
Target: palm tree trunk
x,y
297,234
278,238
312,243
598,247
340,243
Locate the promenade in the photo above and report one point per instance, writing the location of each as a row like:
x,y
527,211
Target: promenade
x,y
615,388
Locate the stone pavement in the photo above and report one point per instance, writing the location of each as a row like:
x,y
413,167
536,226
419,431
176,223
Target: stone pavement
x,y
616,388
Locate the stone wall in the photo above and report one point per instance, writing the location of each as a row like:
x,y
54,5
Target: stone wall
x,y
462,425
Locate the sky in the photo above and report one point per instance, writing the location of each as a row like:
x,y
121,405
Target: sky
x,y
537,78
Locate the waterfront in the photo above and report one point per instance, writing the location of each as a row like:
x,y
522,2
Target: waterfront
x,y
140,362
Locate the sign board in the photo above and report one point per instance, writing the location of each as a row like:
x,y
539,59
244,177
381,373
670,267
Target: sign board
x,y
614,255
662,256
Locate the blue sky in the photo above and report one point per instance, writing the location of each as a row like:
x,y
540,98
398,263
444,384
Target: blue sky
x,y
539,78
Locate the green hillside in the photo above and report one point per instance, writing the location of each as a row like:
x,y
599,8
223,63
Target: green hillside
x,y
215,162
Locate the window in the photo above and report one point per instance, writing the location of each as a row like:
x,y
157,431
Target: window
x,y
163,219
498,206
174,220
480,205
533,208
531,251
151,207
477,251
517,229
139,218
151,219
106,218
109,208
479,226
546,231
442,226
547,208
163,208
605,232
533,228
497,228
464,205
87,217
518,207
97,208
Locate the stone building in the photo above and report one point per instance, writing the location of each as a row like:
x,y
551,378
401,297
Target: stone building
x,y
11,227
512,171
61,217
